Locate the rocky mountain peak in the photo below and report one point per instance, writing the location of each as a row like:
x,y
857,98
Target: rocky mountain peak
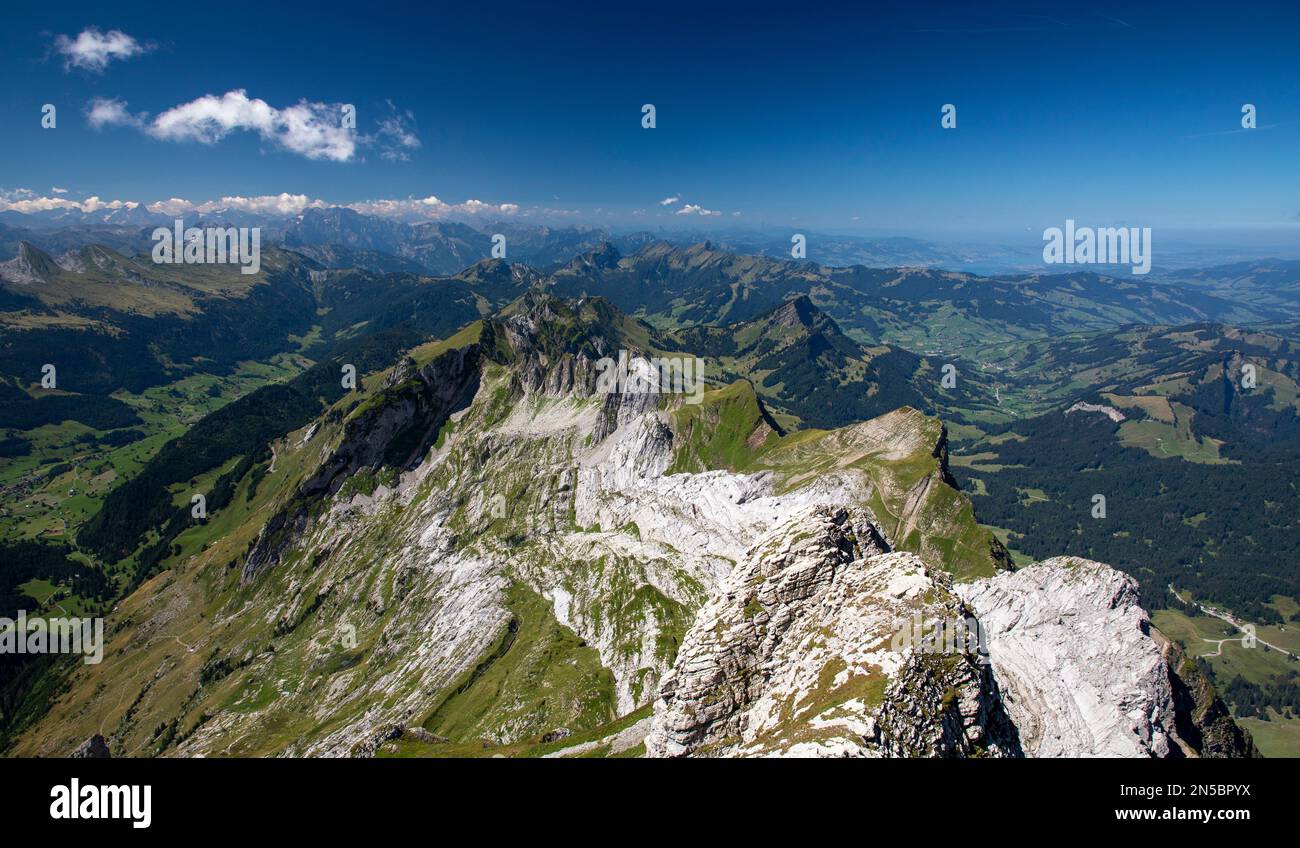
x,y
1086,673
603,257
798,310
540,324
31,265
488,270
822,642
798,655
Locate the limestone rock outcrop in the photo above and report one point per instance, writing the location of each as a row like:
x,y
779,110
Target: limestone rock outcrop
x,y
799,654
820,643
1071,647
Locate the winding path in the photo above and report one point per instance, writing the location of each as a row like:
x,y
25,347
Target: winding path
x,y
1228,618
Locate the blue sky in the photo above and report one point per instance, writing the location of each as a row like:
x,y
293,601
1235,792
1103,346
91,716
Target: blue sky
x,y
816,117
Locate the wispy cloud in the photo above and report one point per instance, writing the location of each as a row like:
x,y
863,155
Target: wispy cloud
x,y
107,111
696,209
669,201
92,50
1238,130
312,130
396,136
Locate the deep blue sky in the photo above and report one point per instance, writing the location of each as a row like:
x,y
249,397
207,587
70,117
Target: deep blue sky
x,y
1118,113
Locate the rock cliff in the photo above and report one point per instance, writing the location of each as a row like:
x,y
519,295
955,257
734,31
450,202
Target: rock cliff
x,y
822,644
796,656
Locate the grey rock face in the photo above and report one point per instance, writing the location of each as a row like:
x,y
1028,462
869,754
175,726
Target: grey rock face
x,y
94,748
397,431
799,655
1072,650
1205,724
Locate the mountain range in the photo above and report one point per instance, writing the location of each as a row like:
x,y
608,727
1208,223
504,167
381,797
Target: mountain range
x,y
472,549
482,553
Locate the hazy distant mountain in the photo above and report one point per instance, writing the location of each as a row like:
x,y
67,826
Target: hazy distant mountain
x,y
134,216
442,247
337,257
923,309
446,246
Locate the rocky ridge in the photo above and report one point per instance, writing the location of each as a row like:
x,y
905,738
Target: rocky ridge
x,y
795,657
484,550
817,645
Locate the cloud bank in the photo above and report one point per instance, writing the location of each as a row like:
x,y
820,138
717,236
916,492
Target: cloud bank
x,y
280,205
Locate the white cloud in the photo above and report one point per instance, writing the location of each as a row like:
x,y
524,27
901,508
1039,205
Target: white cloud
x,y
209,118
695,209
27,202
108,112
28,205
476,207
174,206
427,207
430,208
94,204
92,50
278,205
310,129
266,204
669,201
58,190
313,130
